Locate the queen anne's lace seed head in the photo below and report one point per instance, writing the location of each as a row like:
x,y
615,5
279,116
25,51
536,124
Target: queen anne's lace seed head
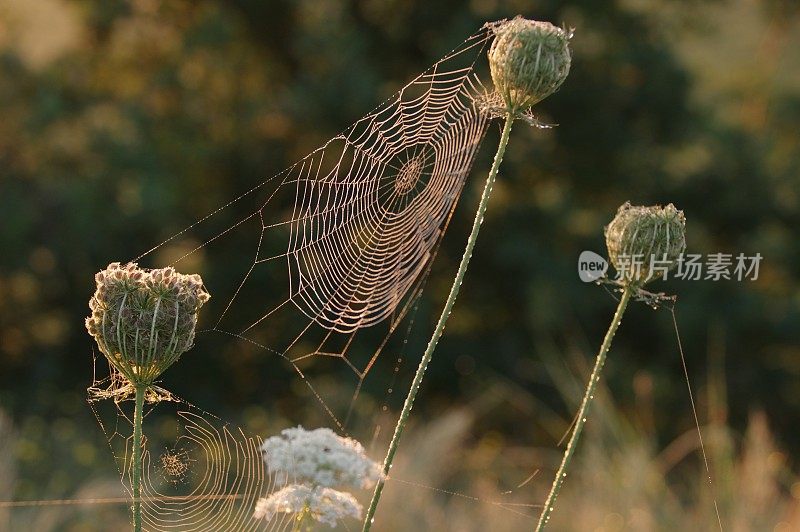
x,y
143,320
645,234
529,60
325,505
320,458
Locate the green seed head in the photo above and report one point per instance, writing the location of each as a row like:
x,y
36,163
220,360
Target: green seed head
x,y
529,61
143,320
645,242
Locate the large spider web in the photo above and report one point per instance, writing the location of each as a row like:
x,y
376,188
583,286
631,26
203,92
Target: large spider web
x,y
347,234
341,245
372,204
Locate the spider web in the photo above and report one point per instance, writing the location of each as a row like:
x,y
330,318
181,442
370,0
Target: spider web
x,y
198,471
342,241
341,246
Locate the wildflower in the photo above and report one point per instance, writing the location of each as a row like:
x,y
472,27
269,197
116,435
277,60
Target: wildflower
x,y
320,458
315,461
645,235
325,505
529,60
144,320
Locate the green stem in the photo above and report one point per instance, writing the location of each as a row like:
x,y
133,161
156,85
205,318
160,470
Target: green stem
x,y
300,519
581,417
137,458
437,332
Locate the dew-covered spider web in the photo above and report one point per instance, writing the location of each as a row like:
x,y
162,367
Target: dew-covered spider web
x,y
199,472
334,253
341,242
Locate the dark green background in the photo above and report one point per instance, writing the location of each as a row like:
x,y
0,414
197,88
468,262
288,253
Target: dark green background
x,y
141,118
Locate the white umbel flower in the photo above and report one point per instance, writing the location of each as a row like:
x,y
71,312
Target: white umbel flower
x,y
325,505
319,458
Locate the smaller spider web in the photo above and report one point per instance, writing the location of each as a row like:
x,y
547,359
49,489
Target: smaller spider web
x,y
199,472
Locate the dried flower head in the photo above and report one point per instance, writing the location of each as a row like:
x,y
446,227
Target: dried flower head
x,y
325,505
319,457
144,320
529,60
640,238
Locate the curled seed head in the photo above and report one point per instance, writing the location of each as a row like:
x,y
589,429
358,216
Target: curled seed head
x,y
529,60
143,320
648,235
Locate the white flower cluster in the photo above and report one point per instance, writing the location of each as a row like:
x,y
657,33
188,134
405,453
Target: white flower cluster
x,y
326,505
315,462
319,457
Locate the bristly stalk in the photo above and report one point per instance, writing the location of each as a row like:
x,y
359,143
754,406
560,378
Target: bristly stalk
x,y
582,411
137,458
300,519
528,60
643,233
437,332
142,340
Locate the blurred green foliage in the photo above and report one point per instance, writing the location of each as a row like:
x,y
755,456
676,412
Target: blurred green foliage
x,y
123,122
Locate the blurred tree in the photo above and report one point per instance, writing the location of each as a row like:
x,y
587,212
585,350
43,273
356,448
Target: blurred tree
x,y
123,122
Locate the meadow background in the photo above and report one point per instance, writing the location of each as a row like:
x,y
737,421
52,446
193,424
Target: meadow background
x,y
121,122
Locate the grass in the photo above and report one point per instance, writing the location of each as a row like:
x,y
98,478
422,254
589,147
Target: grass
x,y
621,479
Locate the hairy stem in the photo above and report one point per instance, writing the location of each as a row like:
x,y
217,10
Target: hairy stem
x,y
300,519
437,332
137,458
581,417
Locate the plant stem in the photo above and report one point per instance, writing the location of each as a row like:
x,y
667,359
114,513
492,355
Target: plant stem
x,y
299,519
581,417
437,332
137,458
